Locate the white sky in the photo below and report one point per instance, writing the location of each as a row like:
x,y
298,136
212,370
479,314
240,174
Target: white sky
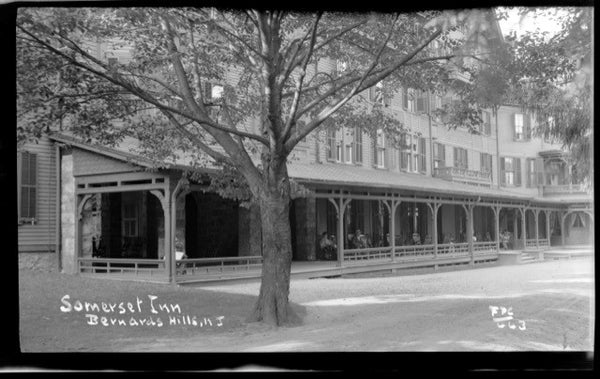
x,y
528,24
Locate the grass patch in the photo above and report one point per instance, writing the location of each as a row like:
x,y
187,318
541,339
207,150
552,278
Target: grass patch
x,y
45,327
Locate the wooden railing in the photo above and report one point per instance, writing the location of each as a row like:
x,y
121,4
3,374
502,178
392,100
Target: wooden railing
x,y
453,249
413,252
563,189
373,253
544,243
121,265
218,265
484,247
463,175
531,243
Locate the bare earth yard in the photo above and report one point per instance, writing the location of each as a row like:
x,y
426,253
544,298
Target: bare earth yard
x,y
551,305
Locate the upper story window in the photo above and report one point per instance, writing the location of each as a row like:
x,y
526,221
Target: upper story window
x,y
439,155
27,186
377,95
408,99
486,128
341,66
533,172
332,152
510,171
486,163
422,102
461,158
380,151
522,127
358,145
405,152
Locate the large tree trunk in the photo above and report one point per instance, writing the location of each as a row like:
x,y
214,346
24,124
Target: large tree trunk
x,y
272,306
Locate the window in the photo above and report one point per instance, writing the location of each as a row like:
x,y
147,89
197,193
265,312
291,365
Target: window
x,y
331,145
439,155
510,169
487,125
531,172
486,163
358,145
408,101
422,103
405,152
422,161
460,158
340,67
380,149
519,133
522,127
212,92
130,219
27,190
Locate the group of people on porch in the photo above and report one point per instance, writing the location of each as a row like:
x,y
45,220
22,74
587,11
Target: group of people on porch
x,y
358,240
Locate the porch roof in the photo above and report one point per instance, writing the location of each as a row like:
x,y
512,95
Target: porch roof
x,y
347,175
324,173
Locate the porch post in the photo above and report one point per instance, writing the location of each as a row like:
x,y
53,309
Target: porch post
x,y
547,213
516,212
340,230
536,213
562,228
523,226
393,208
434,210
469,211
496,211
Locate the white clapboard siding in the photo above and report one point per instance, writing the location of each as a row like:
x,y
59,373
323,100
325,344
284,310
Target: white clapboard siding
x,y
42,235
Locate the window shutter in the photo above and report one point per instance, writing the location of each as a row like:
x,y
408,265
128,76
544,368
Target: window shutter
x,y
527,126
502,172
389,154
514,126
456,159
405,98
374,148
517,171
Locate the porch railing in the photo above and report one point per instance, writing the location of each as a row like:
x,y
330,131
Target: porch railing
x,y
453,249
121,265
563,189
218,265
372,253
414,252
531,243
544,242
484,247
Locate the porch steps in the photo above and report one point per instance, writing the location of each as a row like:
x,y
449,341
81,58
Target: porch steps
x,y
531,257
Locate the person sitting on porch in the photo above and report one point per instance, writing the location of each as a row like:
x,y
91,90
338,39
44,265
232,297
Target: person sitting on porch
x,y
487,237
504,239
356,240
326,247
416,239
428,240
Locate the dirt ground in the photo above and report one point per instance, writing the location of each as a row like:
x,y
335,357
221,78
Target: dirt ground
x,y
550,303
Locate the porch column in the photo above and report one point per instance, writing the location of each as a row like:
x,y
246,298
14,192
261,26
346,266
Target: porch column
x,y
393,207
496,211
547,213
166,207
340,229
516,212
523,212
536,213
469,210
434,211
563,217
80,201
